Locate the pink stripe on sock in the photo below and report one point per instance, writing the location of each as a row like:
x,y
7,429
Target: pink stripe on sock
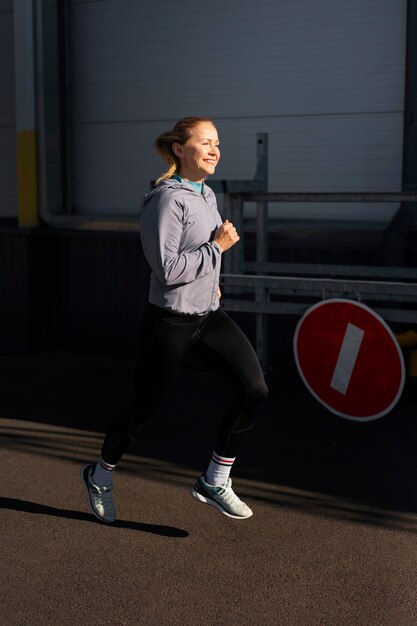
x,y
222,460
106,466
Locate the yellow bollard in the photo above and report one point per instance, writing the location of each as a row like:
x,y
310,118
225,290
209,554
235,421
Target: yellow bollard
x,y
407,339
27,178
412,363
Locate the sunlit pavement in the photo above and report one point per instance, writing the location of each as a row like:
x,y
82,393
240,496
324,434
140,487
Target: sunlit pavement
x,y
332,540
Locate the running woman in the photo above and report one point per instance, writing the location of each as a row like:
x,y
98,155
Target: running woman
x,y
183,239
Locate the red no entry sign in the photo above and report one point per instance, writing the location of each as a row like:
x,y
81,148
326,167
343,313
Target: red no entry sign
x,y
349,359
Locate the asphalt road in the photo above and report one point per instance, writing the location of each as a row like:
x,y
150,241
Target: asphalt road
x,y
332,540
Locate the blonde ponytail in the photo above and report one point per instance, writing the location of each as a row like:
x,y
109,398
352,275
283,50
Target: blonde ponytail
x,y
163,146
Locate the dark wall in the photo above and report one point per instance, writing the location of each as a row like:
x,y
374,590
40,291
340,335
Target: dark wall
x,y
69,290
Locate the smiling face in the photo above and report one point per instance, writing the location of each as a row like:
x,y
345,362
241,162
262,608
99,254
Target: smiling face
x,y
200,154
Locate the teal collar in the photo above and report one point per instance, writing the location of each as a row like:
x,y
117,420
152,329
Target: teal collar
x,y
197,186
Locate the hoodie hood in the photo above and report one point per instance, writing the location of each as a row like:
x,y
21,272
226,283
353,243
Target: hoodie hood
x,y
174,185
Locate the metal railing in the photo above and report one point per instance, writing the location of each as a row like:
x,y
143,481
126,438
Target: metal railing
x,y
290,288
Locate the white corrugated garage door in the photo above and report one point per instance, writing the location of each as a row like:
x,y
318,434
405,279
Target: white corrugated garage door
x,y
8,184
325,79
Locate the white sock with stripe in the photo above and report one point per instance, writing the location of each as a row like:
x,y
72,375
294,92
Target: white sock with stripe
x,y
218,471
103,474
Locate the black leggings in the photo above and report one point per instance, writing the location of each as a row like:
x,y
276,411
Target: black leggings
x,y
220,343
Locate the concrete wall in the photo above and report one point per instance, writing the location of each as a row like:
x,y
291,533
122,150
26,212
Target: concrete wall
x,y
325,79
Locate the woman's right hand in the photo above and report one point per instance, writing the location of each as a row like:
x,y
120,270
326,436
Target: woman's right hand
x,y
226,236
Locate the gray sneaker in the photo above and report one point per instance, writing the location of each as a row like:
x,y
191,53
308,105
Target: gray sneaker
x,y
223,498
100,499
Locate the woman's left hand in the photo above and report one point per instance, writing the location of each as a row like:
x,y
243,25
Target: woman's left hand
x,y
219,293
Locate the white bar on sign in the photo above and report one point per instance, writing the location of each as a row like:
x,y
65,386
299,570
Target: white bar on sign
x,y
347,358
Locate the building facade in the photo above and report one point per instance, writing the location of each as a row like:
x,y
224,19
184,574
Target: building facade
x,y
85,87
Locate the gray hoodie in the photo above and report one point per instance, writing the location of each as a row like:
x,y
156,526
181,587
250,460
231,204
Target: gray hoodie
x,y
177,227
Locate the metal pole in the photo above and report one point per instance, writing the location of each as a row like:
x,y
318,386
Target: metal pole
x,y
26,134
261,296
261,293
238,251
261,235
261,174
227,258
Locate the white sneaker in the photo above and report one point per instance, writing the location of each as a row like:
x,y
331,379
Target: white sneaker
x,y
100,499
223,498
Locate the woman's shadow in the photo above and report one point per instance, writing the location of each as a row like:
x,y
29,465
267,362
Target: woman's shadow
x,y
40,509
